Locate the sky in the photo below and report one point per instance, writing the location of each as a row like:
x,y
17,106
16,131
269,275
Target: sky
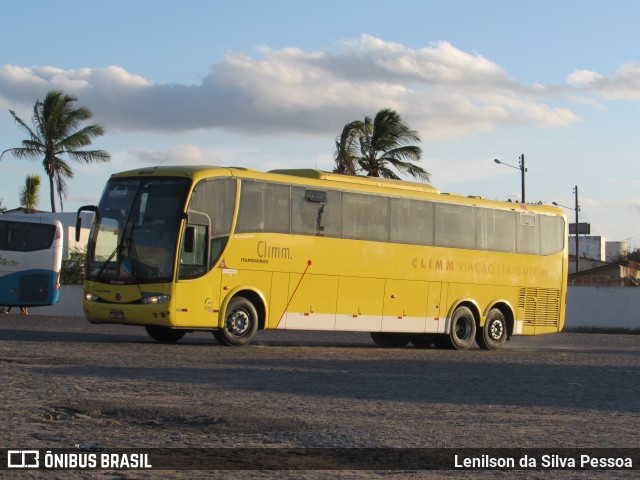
x,y
270,84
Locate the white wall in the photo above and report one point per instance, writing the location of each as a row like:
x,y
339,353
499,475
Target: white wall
x,y
603,307
598,307
69,304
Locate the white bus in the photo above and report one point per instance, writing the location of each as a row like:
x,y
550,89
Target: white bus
x,y
30,260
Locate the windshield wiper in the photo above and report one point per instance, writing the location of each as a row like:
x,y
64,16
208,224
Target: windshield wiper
x,y
104,265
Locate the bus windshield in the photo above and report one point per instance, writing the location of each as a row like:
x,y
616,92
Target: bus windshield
x,y
136,230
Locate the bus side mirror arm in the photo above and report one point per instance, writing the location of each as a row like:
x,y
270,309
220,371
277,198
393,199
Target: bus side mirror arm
x,y
85,208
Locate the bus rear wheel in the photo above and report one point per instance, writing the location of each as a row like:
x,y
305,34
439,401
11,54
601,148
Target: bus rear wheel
x,y
463,329
240,323
164,334
390,339
494,333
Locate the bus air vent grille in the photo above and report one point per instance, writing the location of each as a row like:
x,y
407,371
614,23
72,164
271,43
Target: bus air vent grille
x,y
33,288
541,306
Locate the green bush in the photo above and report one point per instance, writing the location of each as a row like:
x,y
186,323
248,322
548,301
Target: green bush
x,y
72,269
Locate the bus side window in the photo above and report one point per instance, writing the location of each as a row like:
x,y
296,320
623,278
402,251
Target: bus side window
x,y
528,234
264,207
552,234
455,226
216,248
210,214
365,217
411,221
193,254
316,212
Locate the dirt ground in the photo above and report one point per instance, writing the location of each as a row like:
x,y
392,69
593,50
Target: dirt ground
x,y
67,382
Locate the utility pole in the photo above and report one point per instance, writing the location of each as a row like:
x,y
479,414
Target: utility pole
x,y
522,171
577,232
577,226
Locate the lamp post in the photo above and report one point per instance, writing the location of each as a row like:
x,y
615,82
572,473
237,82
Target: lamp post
x,y
577,210
522,169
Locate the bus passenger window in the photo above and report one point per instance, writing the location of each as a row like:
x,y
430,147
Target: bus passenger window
x,y
528,234
411,221
552,234
366,217
455,226
315,212
264,207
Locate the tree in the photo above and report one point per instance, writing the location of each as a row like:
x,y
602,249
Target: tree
x,y
378,146
72,269
29,195
56,131
347,149
630,256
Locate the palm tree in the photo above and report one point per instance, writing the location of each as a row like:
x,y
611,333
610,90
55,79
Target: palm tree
x,y
29,195
55,131
385,143
347,149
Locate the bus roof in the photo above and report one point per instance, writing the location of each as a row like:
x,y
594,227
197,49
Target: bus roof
x,y
357,179
336,180
30,218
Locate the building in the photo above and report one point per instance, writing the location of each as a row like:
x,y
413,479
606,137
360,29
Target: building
x,y
613,250
591,246
617,274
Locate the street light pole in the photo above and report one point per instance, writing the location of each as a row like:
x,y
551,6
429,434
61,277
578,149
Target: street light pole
x,y
522,169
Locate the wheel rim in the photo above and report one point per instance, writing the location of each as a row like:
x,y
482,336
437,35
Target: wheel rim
x,y
496,330
238,323
463,330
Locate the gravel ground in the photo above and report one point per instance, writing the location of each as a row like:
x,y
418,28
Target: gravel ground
x,y
67,382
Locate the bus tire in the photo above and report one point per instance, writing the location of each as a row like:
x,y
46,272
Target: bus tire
x,y
423,340
463,329
240,323
390,339
164,334
494,333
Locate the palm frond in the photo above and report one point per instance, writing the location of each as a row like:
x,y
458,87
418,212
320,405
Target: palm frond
x,y
57,131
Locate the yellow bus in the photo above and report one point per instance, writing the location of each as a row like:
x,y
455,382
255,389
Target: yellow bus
x,y
234,251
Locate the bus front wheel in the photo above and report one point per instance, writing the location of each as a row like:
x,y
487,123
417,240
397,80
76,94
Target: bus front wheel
x,y
494,333
463,329
240,323
164,334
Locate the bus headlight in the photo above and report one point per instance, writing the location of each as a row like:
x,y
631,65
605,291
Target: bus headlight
x,y
152,300
90,297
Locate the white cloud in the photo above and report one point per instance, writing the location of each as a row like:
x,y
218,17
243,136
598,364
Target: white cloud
x,y
623,85
182,154
439,90
583,77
